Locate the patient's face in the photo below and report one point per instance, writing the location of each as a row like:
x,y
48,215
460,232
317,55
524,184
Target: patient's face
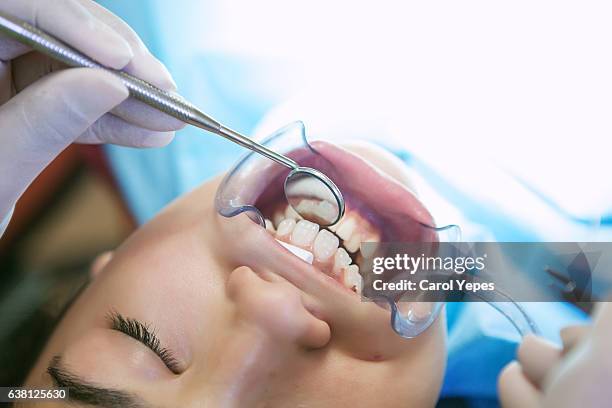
x,y
238,321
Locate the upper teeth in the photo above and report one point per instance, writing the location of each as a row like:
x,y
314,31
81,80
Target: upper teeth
x,y
372,243
325,245
346,227
270,226
322,210
297,251
352,244
326,211
322,247
353,279
306,207
291,213
285,227
304,233
341,261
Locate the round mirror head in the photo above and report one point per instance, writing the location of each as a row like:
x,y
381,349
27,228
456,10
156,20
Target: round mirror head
x,y
314,196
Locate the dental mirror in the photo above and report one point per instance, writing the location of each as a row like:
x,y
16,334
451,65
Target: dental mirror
x,y
314,196
310,192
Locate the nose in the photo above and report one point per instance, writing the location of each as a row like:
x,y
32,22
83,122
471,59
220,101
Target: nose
x,y
276,309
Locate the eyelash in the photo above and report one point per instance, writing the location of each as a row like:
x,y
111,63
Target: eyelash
x,y
144,334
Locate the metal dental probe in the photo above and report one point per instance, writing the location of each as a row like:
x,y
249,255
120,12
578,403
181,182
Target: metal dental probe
x,y
176,106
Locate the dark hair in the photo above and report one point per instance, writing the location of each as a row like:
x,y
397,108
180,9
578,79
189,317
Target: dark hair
x,y
31,308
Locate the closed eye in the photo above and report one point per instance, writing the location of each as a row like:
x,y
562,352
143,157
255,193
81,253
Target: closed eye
x,y
144,334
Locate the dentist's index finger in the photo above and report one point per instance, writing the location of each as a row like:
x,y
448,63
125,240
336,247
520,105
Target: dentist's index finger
x,y
74,24
515,390
537,357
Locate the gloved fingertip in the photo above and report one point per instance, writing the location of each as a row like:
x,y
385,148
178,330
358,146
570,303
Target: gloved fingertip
x,y
180,125
112,87
168,82
154,139
76,25
89,91
115,51
152,70
534,346
160,75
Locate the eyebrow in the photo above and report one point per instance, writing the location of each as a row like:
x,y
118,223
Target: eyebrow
x,y
85,392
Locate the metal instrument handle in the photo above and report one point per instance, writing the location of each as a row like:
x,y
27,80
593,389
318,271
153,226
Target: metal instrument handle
x,y
169,103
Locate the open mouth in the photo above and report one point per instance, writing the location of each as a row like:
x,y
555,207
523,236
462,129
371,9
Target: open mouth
x,y
378,209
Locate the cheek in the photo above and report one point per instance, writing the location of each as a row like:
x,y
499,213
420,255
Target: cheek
x,y
184,299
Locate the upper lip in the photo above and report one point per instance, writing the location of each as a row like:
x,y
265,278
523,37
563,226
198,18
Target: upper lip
x,y
381,194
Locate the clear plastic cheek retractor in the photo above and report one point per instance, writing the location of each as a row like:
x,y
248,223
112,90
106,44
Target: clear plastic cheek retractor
x,y
302,183
241,190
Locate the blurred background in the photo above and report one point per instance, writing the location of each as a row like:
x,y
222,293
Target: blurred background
x,y
500,111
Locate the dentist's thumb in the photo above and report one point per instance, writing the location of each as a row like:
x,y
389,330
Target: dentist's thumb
x,y
46,117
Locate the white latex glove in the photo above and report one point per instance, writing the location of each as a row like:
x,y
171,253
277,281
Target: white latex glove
x,y
44,108
578,375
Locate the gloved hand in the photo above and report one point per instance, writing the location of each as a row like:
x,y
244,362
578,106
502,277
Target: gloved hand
x,y
44,108
578,375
